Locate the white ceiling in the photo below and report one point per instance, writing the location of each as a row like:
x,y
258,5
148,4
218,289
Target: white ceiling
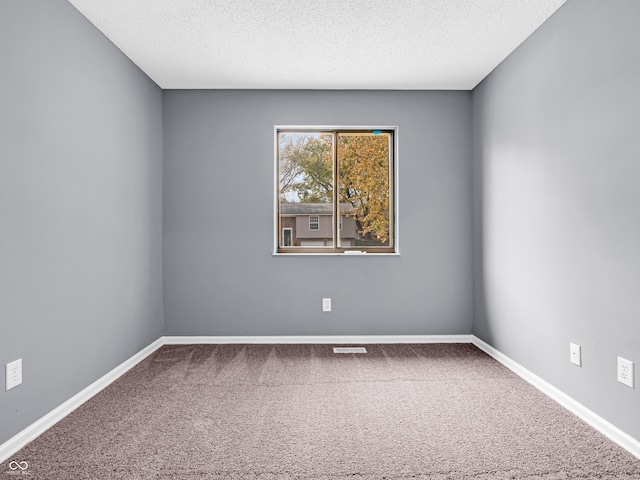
x,y
317,44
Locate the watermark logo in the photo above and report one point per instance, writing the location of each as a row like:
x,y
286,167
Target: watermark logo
x,y
18,468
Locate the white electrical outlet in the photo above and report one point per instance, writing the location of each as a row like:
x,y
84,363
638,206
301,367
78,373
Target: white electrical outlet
x,y
625,372
13,374
326,304
575,354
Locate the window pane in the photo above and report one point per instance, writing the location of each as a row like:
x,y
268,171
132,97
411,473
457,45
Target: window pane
x,y
364,189
305,171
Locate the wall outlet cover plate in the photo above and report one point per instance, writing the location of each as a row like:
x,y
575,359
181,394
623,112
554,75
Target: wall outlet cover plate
x,y
13,373
326,304
626,372
575,354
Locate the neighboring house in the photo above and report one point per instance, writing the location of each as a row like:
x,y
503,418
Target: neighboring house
x,y
310,225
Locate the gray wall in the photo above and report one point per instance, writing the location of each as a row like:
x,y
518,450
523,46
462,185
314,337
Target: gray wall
x,y
220,275
80,207
557,202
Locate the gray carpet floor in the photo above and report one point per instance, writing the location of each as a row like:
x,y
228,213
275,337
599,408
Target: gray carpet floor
x,y
263,412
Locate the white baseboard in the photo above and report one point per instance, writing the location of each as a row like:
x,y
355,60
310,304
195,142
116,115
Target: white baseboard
x,y
30,433
27,435
17,442
612,432
318,339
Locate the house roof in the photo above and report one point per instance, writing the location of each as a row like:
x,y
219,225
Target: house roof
x,y
312,208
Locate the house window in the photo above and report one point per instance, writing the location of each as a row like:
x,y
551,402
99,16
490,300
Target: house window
x,y
342,182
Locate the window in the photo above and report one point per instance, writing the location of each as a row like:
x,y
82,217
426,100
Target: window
x,y
342,182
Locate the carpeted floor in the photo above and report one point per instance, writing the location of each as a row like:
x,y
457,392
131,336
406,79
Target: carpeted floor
x,y
263,412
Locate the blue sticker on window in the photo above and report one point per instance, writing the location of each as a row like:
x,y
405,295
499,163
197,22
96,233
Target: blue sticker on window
x,y
377,132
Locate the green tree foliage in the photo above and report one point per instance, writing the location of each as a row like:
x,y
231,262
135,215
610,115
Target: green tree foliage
x,y
306,168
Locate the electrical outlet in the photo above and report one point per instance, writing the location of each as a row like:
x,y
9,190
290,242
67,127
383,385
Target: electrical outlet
x,y
625,372
575,354
13,374
326,304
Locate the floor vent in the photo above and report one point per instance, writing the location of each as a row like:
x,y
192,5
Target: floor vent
x,y
349,350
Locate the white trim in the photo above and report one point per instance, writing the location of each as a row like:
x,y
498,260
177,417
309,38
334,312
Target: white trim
x,y
37,428
319,339
276,187
311,254
612,432
329,128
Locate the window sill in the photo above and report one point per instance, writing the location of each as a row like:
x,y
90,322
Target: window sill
x,y
334,254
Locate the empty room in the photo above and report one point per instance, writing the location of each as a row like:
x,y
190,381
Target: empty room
x,y
320,240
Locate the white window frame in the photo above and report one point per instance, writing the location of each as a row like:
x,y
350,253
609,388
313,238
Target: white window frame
x,y
316,222
396,176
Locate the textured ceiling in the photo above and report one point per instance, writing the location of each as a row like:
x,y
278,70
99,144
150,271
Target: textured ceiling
x,y
317,44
